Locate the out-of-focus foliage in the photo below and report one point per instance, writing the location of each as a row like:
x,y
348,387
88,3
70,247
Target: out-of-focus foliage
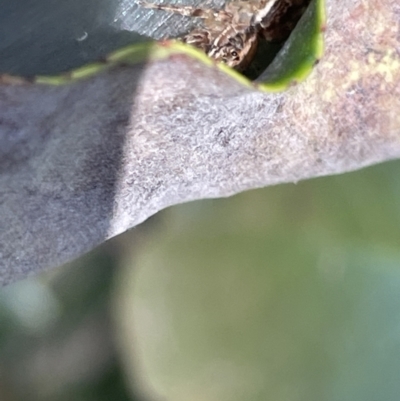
x,y
289,293
285,293
56,341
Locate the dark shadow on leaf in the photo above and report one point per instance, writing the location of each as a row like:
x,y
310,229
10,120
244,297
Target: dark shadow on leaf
x,y
72,130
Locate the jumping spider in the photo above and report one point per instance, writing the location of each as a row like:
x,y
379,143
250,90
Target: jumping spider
x,y
232,34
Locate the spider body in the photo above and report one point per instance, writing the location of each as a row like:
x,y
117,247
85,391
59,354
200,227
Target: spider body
x,y
232,46
231,35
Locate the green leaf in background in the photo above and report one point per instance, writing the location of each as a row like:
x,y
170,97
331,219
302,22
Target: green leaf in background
x,y
300,53
292,64
288,293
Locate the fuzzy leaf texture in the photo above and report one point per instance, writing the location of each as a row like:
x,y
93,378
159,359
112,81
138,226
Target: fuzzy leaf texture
x,y
89,154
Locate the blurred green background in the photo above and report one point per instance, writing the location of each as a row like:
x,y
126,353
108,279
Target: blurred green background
x,y
286,293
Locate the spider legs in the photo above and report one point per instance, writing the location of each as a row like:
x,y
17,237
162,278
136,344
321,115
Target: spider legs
x,y
189,11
